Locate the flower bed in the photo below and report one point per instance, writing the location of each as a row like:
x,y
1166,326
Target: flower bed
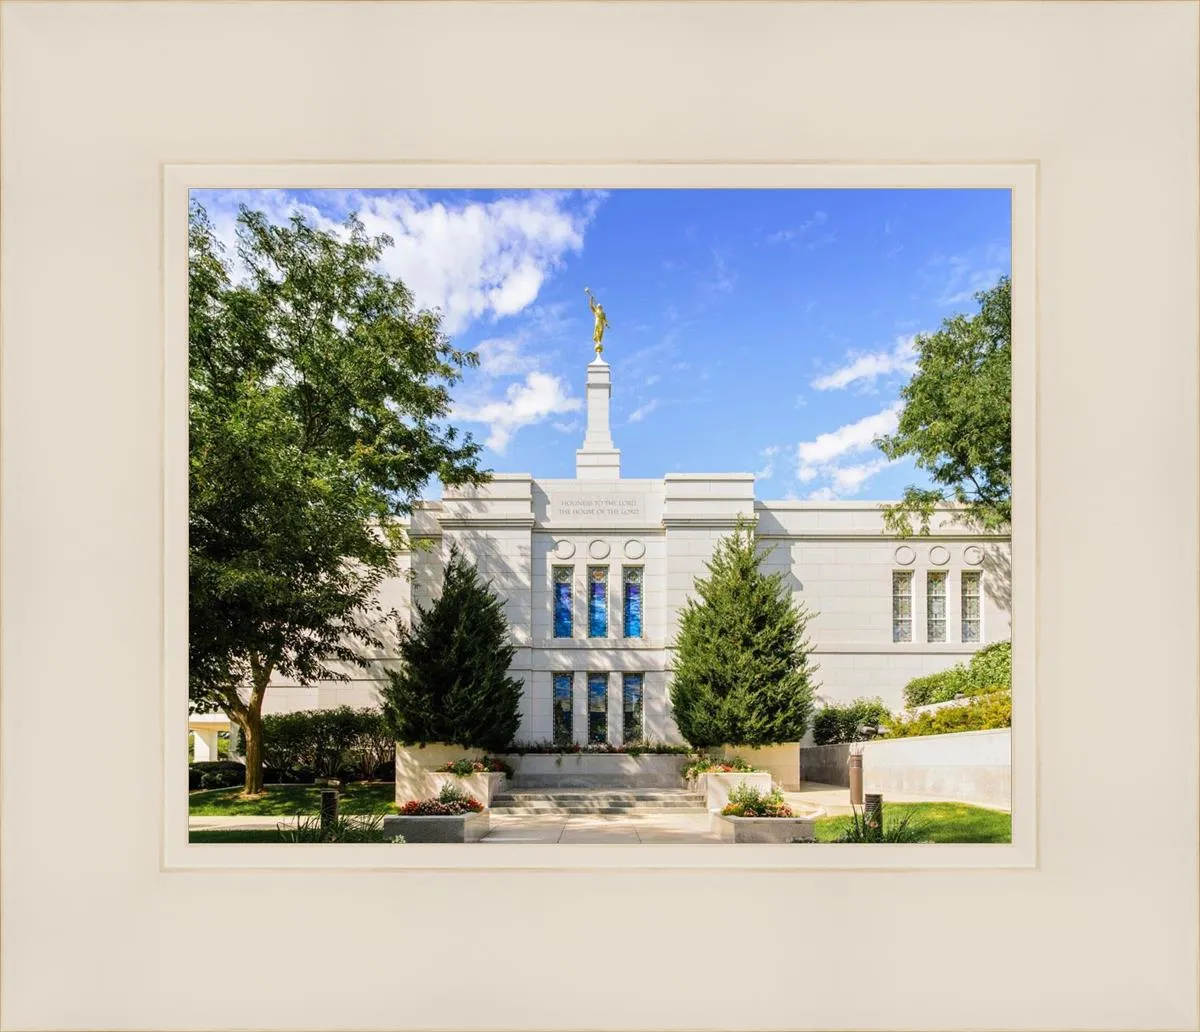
x,y
748,801
711,765
466,767
436,808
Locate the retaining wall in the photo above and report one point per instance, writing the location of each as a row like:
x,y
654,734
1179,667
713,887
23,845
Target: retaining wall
x,y
969,766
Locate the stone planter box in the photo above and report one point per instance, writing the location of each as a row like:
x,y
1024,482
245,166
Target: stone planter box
x,y
467,827
781,761
596,770
484,787
765,829
716,787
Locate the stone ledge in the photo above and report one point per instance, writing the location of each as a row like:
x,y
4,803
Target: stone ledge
x,y
467,827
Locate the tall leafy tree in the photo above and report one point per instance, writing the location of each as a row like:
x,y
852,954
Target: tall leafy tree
x,y
957,419
742,671
318,395
453,684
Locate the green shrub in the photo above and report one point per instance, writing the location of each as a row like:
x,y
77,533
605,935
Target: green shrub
x,y
291,776
989,670
748,801
940,687
856,721
215,774
982,713
346,743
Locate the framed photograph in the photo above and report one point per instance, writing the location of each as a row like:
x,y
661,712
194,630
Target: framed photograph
x,y
608,483
866,645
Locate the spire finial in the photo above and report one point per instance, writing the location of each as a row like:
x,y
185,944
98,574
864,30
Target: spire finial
x,y
601,321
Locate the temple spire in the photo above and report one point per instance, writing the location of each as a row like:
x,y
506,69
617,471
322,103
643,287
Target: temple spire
x,y
598,459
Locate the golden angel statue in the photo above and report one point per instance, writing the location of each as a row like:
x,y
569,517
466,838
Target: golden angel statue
x,y
601,321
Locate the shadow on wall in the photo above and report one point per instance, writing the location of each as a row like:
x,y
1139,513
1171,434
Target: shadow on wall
x,y
997,582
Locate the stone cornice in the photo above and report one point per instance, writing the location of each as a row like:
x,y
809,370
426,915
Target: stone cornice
x,y
884,538
514,521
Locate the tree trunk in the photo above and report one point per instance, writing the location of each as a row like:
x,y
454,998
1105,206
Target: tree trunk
x,y
252,726
252,745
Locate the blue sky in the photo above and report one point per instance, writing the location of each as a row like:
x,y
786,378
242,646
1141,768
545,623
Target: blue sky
x,y
762,331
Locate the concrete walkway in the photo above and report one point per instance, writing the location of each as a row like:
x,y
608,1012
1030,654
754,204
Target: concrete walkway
x,y
593,829
836,799
243,823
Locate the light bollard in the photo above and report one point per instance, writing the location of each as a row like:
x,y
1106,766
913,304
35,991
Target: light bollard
x,y
856,779
329,810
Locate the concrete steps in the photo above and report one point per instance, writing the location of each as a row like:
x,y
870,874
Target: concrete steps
x,y
568,801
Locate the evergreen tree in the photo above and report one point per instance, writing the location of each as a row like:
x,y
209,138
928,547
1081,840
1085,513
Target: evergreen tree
x,y
742,669
453,685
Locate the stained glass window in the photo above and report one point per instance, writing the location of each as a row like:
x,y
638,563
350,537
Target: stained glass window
x,y
564,620
902,626
597,709
971,619
935,606
564,696
632,601
633,730
598,602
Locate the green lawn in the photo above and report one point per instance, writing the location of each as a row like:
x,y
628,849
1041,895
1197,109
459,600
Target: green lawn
x,y
240,836
946,822
246,835
289,800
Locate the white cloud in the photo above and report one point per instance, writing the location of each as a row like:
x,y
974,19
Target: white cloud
x,y
827,462
849,480
640,413
723,278
500,356
532,401
476,260
818,218
844,481
846,440
768,469
867,367
962,276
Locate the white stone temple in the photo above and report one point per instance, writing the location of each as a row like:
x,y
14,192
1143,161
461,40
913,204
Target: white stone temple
x,y
595,569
